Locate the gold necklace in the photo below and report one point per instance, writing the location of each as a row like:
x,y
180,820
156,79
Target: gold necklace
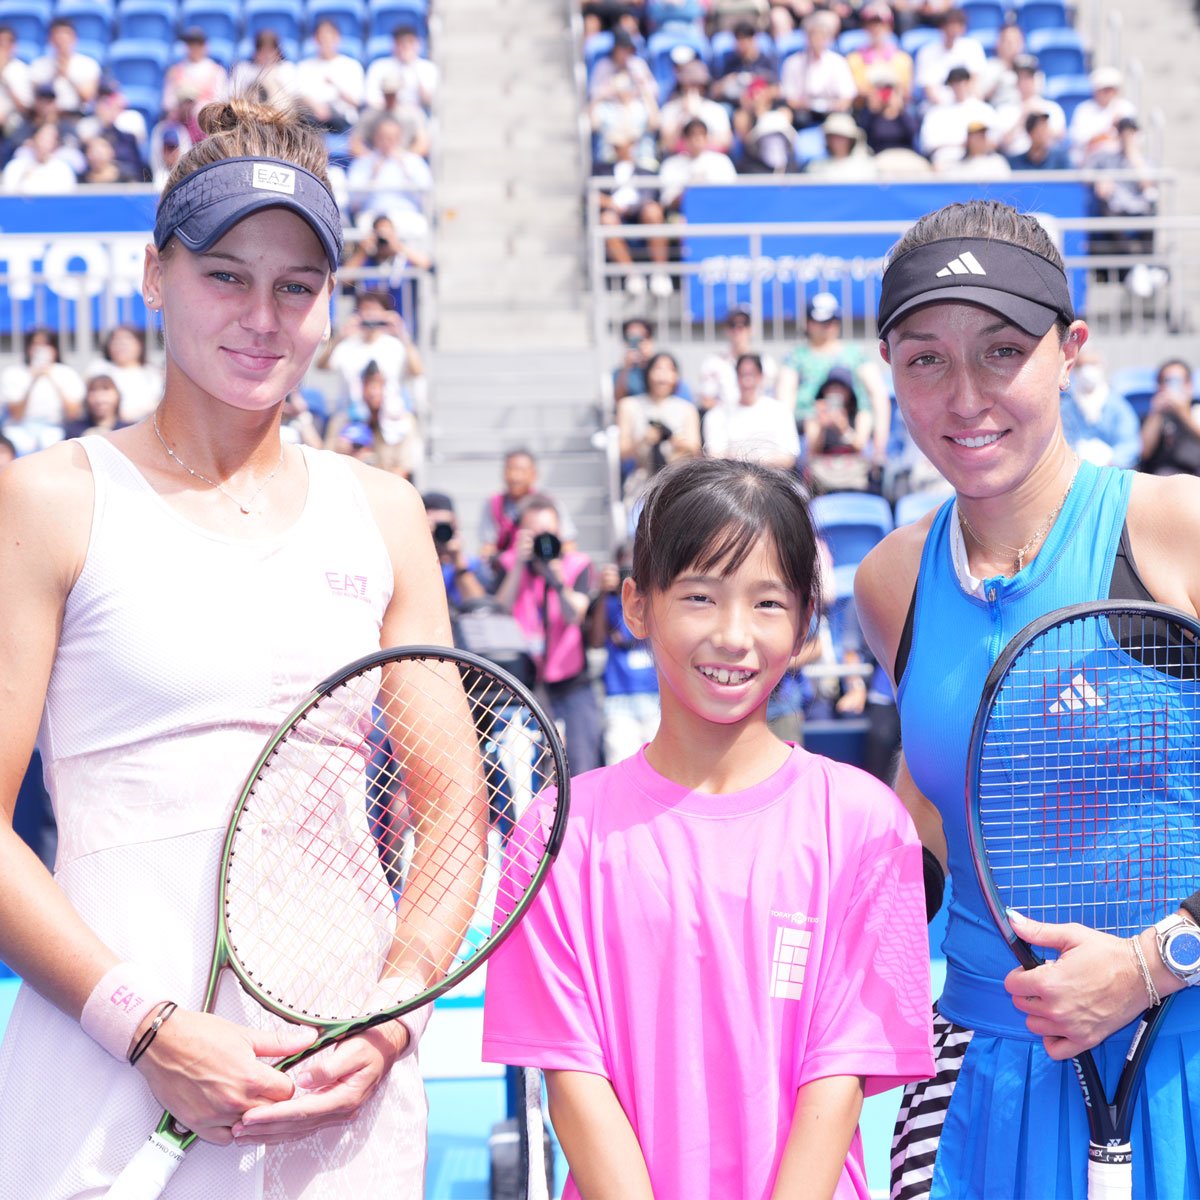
x,y
1039,533
244,505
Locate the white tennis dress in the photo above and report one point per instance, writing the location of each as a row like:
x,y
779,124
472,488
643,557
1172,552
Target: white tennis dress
x,y
180,652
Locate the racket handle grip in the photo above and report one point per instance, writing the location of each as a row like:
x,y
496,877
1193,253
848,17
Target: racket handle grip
x,y
1110,1172
148,1172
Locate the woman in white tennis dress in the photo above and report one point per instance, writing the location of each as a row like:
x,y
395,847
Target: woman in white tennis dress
x,y
166,596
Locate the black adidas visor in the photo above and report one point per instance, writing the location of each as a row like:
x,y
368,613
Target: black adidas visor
x,y
1019,285
203,206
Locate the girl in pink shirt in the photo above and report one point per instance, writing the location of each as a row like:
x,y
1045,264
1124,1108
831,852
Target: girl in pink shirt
x,y
731,950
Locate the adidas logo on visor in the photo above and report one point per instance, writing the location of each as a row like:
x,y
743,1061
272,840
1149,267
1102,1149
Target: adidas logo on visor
x,y
964,264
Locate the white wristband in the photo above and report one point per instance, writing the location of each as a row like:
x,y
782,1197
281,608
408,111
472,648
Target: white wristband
x,y
119,1003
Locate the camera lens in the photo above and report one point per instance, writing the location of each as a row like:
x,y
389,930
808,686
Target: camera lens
x,y
443,532
546,546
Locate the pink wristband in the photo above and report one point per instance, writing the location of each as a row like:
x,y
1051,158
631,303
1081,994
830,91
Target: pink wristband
x,y
119,1003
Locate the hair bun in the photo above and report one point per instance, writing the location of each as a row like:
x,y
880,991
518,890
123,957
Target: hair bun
x,y
224,116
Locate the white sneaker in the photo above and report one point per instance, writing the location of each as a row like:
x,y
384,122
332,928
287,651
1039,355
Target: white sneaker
x,y
635,285
661,285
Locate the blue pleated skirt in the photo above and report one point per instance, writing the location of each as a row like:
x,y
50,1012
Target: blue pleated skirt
x,y
1016,1125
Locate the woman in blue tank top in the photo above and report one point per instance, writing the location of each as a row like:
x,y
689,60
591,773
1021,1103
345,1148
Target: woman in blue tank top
x,y
977,324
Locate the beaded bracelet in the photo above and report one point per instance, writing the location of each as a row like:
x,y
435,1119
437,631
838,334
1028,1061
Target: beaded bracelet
x,y
1151,990
143,1043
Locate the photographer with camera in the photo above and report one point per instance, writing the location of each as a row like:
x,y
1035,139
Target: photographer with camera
x,y
656,427
463,576
549,593
1170,431
375,333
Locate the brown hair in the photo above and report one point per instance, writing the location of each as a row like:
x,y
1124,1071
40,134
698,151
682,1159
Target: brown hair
x,y
243,126
980,219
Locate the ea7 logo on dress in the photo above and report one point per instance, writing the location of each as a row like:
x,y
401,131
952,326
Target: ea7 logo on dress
x,y
353,587
271,177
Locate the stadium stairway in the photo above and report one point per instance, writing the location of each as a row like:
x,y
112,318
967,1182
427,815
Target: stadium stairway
x,y
542,399
513,363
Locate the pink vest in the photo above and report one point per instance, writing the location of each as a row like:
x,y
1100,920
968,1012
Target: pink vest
x,y
557,645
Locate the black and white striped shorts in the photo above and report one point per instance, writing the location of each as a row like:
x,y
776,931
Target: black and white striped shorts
x,y
922,1111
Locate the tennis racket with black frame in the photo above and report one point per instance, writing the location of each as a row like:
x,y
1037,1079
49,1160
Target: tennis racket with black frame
x,y
375,856
1083,804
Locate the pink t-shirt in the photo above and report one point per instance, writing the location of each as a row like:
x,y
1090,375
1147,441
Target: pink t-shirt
x,y
710,954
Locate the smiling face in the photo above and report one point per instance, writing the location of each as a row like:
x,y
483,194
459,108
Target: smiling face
x,y
979,395
242,320
721,643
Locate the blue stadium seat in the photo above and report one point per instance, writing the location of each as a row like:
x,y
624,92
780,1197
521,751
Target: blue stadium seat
x,y
29,20
911,40
597,46
789,44
987,38
350,16
721,49
1059,51
156,20
913,506
221,20
809,144
850,523
851,40
138,63
92,20
984,14
1068,91
386,16
145,100
1137,385
283,17
681,14
1041,14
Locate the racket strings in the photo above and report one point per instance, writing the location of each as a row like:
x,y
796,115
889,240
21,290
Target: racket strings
x,y
1088,773
381,845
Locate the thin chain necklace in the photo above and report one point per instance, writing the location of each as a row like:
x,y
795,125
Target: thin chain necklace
x,y
1039,533
244,505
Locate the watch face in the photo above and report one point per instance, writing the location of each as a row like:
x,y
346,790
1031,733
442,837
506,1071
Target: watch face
x,y
1184,949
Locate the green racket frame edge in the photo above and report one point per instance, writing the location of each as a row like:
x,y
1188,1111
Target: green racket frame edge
x,y
1059,616
335,1032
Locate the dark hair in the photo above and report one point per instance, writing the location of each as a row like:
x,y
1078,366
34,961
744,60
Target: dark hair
x,y
41,331
708,513
363,296
371,371
754,359
983,219
654,358
140,334
1173,362
645,322
101,381
403,31
694,124
520,452
537,503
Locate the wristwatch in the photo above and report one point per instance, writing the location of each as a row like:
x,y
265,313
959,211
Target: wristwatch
x,y
1179,946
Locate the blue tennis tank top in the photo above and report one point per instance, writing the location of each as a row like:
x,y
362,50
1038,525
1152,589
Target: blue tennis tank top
x,y
956,638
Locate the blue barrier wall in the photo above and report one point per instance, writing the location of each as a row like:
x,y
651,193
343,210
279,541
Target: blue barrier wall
x,y
805,264
74,248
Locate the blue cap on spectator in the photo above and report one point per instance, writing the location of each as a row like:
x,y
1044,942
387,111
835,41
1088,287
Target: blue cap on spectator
x,y
357,433
203,206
